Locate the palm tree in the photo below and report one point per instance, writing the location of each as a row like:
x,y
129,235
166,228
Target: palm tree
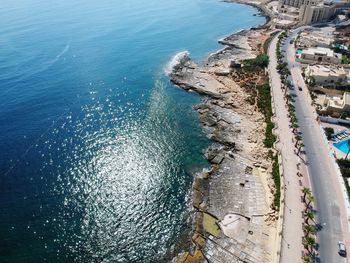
x,y
308,259
348,143
306,191
309,230
295,126
297,139
309,243
311,200
309,215
288,97
300,146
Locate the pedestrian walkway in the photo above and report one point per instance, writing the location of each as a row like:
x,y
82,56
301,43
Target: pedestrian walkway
x,y
291,247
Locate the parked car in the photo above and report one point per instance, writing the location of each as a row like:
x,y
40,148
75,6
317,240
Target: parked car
x,y
300,88
291,42
341,249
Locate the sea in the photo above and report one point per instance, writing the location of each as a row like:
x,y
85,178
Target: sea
x,y
98,150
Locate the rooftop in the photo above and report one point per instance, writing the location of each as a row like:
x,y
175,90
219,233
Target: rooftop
x,y
315,38
319,51
346,98
323,70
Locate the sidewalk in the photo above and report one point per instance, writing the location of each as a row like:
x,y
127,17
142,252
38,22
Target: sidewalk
x,y
291,247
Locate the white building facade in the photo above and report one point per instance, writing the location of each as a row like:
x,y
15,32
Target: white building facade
x,y
319,55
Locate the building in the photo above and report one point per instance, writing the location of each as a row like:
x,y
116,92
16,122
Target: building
x,y
312,11
287,17
343,29
314,39
319,55
326,75
316,11
335,106
293,3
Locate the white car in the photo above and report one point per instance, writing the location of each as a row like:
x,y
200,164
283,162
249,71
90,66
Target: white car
x,y
341,249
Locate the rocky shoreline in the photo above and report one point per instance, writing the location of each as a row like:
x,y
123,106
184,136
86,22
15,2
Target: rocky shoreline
x,y
234,218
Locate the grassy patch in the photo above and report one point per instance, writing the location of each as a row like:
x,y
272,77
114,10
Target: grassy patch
x,y
210,225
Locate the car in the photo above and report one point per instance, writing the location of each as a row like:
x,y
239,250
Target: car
x,y
341,249
300,88
291,42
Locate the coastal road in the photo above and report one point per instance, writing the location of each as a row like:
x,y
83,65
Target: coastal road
x,y
330,204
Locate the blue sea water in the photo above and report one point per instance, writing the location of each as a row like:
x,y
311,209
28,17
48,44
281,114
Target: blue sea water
x,y
97,148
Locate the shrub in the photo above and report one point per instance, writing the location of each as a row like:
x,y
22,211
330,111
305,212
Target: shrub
x,y
344,166
329,132
261,60
277,180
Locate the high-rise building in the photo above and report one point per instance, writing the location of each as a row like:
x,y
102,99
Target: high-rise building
x,y
316,11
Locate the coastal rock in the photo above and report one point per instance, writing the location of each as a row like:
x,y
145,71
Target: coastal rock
x,y
189,76
221,124
231,192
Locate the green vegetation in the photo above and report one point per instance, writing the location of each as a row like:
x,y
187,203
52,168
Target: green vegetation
x,y
283,68
268,41
344,166
329,132
210,224
277,180
309,229
261,96
347,186
261,60
345,59
264,105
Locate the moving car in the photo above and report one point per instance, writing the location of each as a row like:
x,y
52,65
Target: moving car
x,y
341,249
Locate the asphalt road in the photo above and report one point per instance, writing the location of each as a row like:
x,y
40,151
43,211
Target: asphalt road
x,y
330,205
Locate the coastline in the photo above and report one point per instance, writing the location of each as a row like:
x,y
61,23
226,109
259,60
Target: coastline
x,y
240,173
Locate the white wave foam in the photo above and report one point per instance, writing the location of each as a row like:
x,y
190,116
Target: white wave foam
x,y
176,60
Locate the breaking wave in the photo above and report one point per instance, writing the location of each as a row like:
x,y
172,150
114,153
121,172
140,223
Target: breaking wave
x,y
176,60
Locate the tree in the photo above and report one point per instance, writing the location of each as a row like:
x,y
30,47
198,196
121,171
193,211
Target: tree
x,y
329,132
261,60
306,191
300,146
344,166
312,81
298,139
308,259
311,200
309,230
309,215
295,126
309,243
